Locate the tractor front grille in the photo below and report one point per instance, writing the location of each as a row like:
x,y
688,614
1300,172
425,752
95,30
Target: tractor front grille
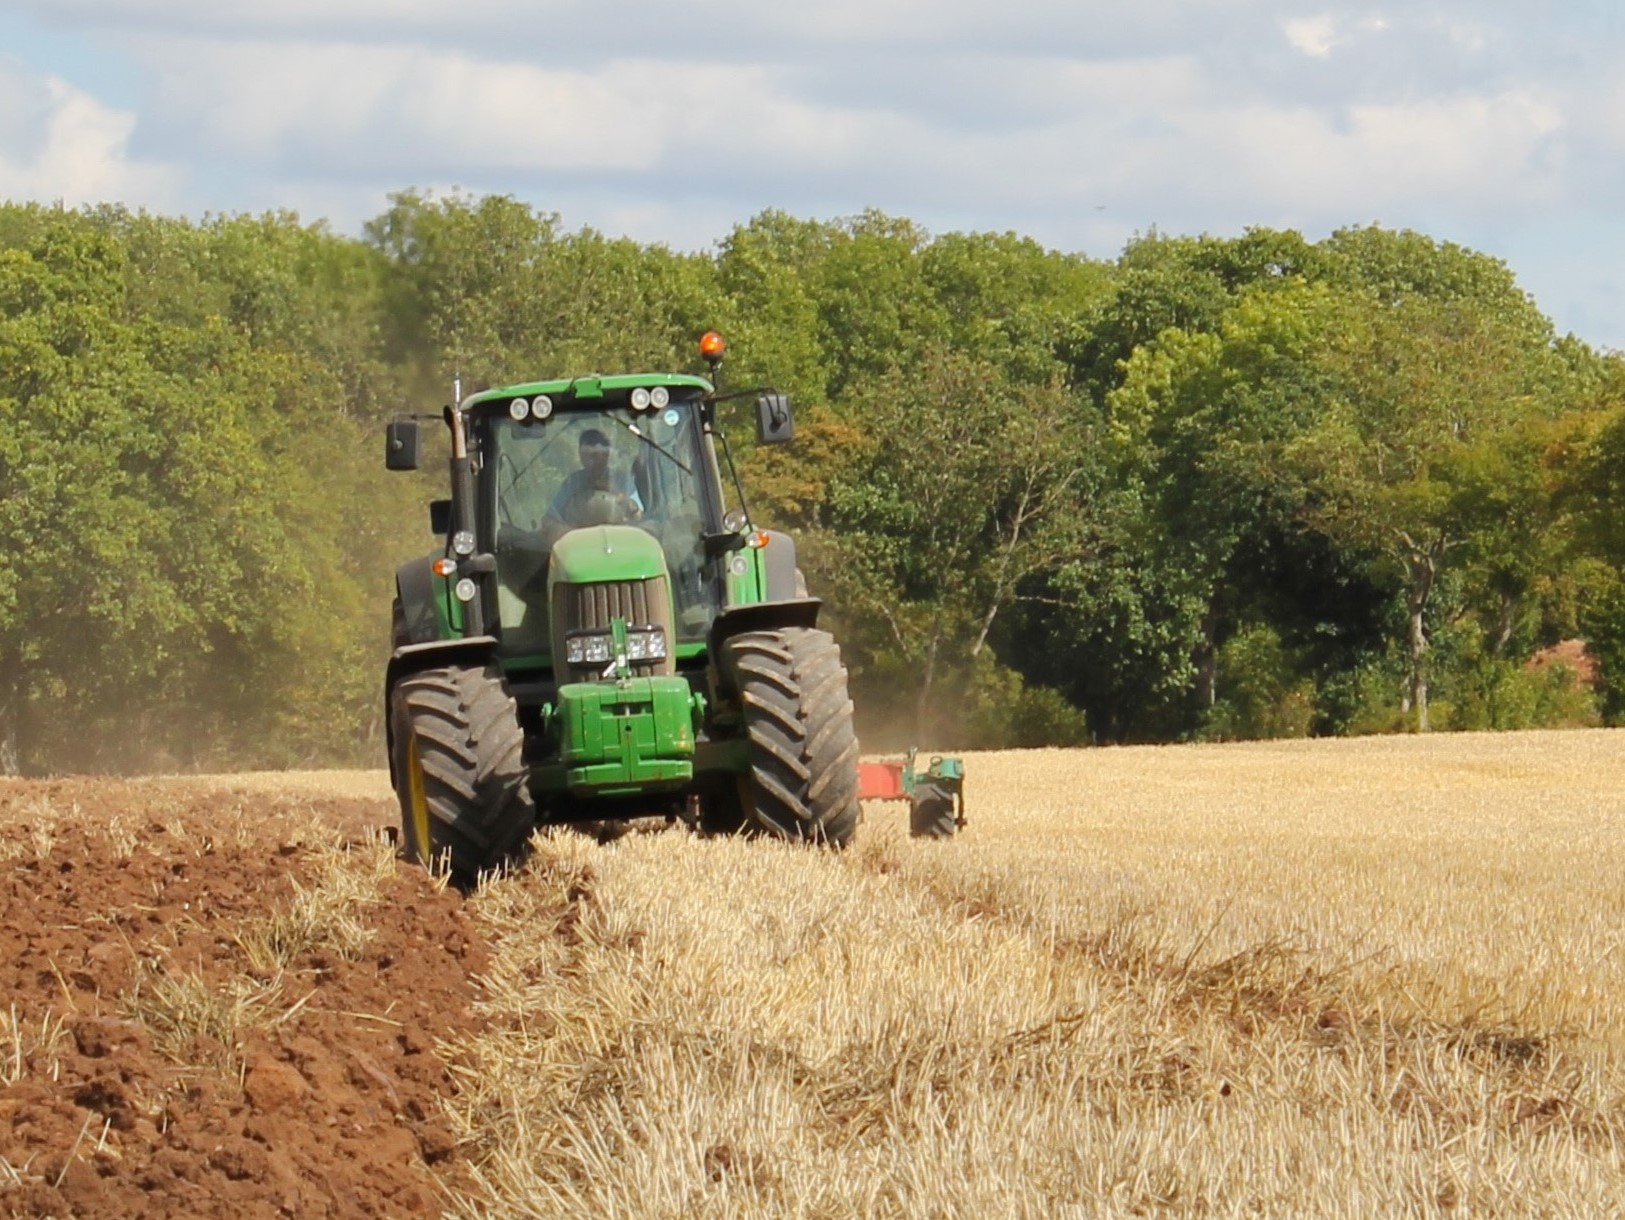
x,y
595,606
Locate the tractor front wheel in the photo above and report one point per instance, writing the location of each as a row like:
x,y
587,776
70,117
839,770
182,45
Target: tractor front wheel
x,y
803,778
458,769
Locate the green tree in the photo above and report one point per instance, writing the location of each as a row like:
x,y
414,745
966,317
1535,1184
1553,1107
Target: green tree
x,y
181,570
971,485
1356,413
1424,400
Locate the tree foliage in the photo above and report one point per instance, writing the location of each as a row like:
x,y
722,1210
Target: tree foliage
x,y
1217,487
176,562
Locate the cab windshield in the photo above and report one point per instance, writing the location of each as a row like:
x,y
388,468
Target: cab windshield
x,y
612,466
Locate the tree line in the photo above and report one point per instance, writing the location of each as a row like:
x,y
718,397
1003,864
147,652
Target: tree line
x,y
1214,488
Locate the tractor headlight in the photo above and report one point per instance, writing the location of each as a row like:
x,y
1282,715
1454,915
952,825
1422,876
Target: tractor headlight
x,y
519,409
589,648
659,397
645,644
541,406
641,399
465,590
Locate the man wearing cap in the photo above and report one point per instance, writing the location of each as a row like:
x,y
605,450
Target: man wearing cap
x,y
595,494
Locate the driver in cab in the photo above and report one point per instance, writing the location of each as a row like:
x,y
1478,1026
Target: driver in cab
x,y
595,494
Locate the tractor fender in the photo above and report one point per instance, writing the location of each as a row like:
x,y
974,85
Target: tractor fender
x,y
762,616
411,658
414,587
779,570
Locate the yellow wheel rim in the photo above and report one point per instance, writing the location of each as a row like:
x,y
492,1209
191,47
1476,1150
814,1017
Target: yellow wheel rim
x,y
417,805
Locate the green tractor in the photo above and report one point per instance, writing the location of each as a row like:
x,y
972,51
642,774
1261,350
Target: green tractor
x,y
602,636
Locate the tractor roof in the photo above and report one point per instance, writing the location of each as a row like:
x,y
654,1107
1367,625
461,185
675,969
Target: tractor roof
x,y
566,390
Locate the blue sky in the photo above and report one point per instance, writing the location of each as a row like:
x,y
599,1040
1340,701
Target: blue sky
x,y
1499,124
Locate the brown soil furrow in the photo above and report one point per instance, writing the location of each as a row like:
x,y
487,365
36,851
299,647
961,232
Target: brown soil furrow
x,y
151,1065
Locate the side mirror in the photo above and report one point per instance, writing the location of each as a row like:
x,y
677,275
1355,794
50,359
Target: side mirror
x,y
440,517
774,424
401,438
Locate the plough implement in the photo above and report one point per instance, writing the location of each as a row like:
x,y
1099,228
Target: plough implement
x,y
936,796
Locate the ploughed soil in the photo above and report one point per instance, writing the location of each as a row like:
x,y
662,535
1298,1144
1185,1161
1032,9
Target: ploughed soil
x,y
123,901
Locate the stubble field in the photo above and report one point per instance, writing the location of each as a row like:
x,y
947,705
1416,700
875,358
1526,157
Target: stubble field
x,y
1342,978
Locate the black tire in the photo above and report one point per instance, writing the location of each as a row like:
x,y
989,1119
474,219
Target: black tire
x,y
803,779
931,813
459,771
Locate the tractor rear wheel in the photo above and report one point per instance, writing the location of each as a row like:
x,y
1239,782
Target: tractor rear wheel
x,y
803,778
931,813
458,769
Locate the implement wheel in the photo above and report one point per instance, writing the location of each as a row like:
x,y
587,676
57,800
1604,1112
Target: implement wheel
x,y
458,771
803,778
931,813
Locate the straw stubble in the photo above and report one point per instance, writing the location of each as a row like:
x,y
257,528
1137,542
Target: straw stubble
x,y
1321,978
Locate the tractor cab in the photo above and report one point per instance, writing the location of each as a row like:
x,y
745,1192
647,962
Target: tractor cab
x,y
626,474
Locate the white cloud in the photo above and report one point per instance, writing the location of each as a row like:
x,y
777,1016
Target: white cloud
x,y
1471,36
401,111
1076,120
58,143
1317,37
1058,134
1465,152
1314,36
694,32
1609,116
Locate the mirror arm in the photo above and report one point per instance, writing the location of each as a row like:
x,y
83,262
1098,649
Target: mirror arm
x,y
733,471
732,395
721,544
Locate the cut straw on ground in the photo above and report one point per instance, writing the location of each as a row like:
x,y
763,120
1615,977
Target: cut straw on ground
x,y
1337,979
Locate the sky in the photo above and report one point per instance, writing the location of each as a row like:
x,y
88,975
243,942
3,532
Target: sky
x,y
1497,124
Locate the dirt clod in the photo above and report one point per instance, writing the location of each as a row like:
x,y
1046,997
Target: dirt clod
x,y
270,1085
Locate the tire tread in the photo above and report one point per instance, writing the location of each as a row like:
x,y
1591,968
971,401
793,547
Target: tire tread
x,y
803,780
470,751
